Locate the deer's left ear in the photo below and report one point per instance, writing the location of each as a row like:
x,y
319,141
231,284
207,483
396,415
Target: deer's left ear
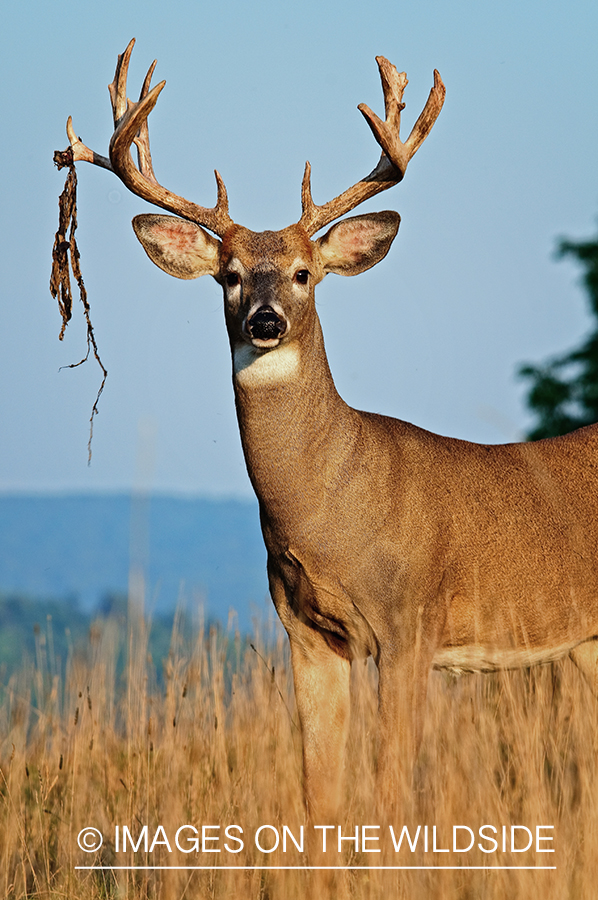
x,y
181,248
358,243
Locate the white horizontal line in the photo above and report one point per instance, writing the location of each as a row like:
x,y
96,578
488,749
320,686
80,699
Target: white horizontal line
x,y
311,868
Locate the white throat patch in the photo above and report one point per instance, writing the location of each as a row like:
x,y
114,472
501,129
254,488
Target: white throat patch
x,y
253,367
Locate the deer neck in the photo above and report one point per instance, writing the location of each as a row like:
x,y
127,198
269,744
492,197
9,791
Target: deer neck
x,y
291,418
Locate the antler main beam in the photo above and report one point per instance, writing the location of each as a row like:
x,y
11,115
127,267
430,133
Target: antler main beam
x,y
131,127
395,153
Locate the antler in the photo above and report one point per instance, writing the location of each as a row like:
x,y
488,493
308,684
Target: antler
x,y
395,154
130,127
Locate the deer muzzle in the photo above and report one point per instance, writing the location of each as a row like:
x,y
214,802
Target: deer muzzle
x,y
265,327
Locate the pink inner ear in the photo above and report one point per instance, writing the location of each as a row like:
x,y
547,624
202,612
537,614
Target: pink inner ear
x,y
177,237
356,241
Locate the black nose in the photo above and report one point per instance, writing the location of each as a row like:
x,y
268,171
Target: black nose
x,y
265,324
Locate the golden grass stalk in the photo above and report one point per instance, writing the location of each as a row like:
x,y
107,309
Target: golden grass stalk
x,y
214,742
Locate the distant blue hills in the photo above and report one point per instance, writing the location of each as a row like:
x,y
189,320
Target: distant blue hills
x,y
79,548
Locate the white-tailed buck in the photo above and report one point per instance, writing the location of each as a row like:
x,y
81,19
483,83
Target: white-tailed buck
x,y
383,539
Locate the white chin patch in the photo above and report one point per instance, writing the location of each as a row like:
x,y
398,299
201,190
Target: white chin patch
x,y
257,367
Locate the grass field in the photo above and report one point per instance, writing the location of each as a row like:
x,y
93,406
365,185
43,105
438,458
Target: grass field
x,y
102,742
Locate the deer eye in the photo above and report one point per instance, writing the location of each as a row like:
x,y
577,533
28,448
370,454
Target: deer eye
x,y
232,279
302,276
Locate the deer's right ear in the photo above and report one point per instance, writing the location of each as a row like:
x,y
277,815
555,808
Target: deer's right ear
x,y
177,246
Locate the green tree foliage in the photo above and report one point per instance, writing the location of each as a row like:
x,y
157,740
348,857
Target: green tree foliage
x,y
563,392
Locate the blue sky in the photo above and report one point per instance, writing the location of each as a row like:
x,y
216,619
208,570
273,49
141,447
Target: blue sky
x,y
432,335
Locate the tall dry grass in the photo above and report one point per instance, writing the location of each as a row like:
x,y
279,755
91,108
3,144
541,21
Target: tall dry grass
x,y
106,743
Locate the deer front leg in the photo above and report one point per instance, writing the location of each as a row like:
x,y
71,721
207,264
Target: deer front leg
x,y
322,682
322,679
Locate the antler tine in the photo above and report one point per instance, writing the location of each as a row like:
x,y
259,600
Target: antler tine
x,y
395,154
428,116
393,87
307,204
130,121
118,87
141,140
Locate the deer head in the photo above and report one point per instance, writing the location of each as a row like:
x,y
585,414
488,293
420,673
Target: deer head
x,y
268,278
